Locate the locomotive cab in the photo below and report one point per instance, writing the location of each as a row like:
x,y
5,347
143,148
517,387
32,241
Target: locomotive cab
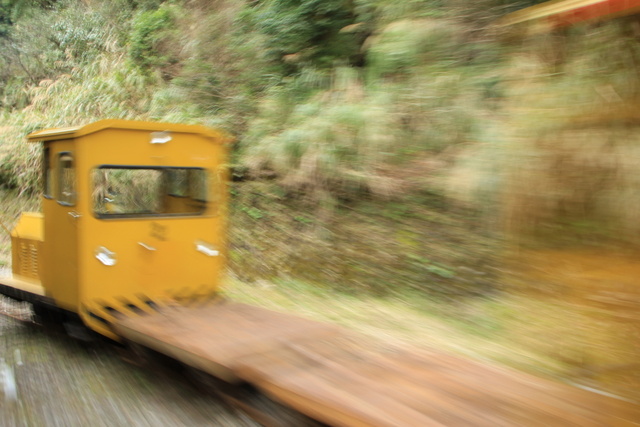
x,y
133,218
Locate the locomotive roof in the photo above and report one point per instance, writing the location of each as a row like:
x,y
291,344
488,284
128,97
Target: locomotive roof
x,y
76,131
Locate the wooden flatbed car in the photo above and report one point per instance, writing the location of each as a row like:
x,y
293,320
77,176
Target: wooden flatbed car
x,y
343,379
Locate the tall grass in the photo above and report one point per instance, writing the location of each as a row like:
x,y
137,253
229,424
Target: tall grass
x,y
96,91
76,69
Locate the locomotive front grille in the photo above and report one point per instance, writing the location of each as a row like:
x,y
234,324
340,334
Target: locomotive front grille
x,y
28,259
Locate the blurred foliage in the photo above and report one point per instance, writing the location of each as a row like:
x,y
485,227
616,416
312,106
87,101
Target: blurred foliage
x,y
223,63
307,28
572,154
336,101
150,31
384,147
361,247
403,45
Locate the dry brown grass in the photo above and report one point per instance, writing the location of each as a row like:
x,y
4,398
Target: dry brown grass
x,y
583,176
570,316
562,165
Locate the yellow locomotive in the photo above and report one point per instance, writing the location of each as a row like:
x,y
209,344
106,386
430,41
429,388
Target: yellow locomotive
x,y
133,216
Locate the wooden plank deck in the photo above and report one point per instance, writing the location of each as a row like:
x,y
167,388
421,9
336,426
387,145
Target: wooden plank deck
x,y
346,380
214,337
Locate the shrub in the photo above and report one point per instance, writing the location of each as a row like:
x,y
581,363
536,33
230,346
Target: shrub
x,y
405,44
49,43
333,142
88,94
308,28
19,161
151,32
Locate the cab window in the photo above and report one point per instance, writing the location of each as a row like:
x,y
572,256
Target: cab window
x,y
47,171
123,191
66,180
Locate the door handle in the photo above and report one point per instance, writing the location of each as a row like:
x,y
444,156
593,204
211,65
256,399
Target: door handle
x,y
74,214
147,247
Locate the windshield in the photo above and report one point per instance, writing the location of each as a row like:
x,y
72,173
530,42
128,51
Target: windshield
x,y
146,191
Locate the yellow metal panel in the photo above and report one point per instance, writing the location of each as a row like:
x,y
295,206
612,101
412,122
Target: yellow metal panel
x,y
156,258
23,284
60,278
78,131
30,226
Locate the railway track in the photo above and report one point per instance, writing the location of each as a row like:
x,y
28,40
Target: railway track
x,y
237,398
17,311
250,401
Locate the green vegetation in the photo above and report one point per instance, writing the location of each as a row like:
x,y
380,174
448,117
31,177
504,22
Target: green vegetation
x,y
327,95
361,248
150,31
